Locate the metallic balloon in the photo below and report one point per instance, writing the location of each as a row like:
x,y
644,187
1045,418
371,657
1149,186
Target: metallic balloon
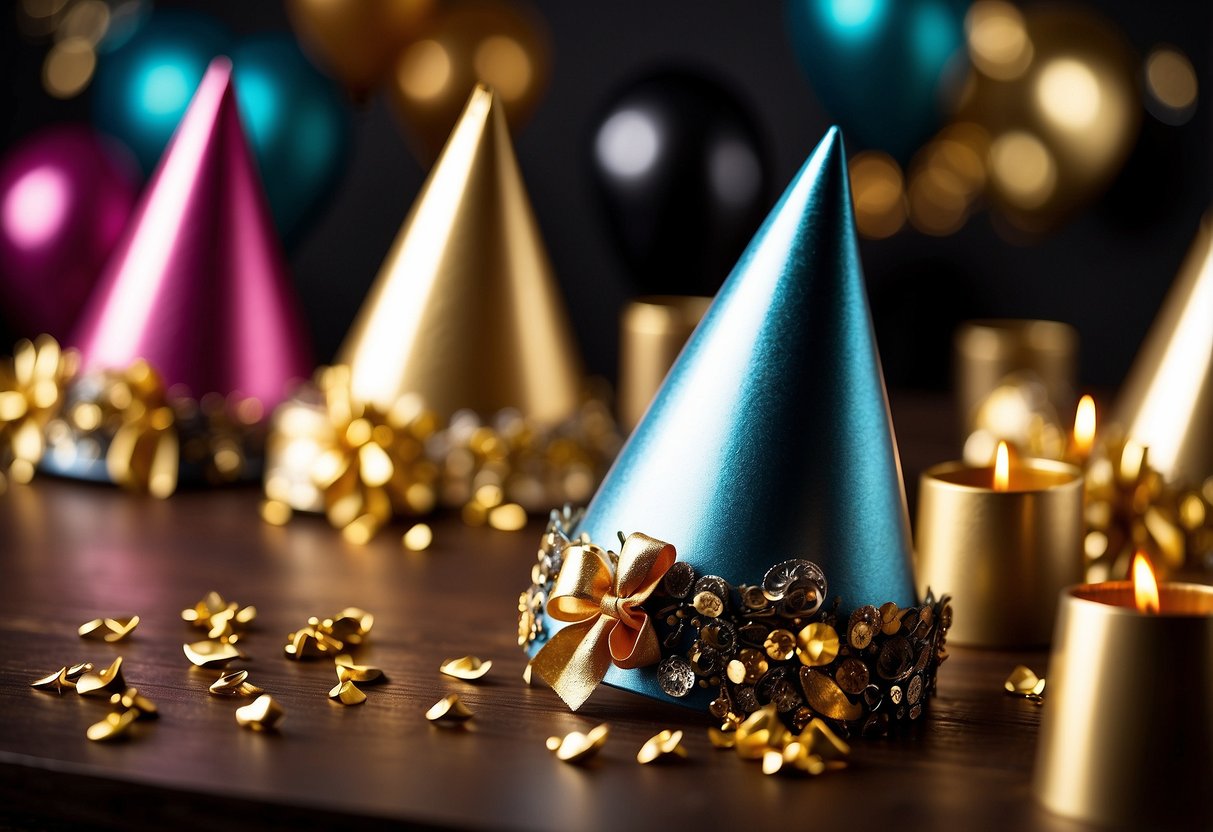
x,y
297,122
296,117
504,45
65,196
357,40
684,179
878,65
1057,91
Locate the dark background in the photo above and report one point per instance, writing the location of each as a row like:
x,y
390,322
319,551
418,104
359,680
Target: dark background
x,y
1105,272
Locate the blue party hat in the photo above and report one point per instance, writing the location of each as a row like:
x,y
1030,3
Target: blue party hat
x,y
770,439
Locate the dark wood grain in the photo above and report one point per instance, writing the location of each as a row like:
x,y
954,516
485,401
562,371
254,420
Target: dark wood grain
x,y
70,552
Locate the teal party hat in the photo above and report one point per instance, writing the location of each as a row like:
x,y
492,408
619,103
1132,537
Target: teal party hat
x,y
770,440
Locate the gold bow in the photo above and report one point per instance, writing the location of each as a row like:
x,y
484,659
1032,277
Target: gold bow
x,y
31,391
606,622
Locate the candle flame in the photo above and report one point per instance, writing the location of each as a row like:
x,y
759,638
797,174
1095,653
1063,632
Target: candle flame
x,y
1002,468
1145,587
1084,425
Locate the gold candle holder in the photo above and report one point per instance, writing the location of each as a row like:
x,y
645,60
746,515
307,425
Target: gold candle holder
x,y
1126,736
987,351
653,331
1002,555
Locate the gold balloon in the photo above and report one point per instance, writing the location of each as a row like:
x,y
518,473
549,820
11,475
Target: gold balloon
x,y
466,312
500,44
357,40
1057,91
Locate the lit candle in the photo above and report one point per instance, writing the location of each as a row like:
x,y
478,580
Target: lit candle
x,y
1002,540
1084,430
1126,737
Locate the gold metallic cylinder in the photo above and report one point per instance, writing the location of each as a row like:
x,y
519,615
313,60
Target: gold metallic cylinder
x,y
1126,737
653,331
1002,555
987,351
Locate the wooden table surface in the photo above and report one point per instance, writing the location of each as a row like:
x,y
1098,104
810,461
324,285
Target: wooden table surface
x,y
70,552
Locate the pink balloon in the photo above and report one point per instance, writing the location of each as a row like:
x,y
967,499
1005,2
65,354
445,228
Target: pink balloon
x,y
65,195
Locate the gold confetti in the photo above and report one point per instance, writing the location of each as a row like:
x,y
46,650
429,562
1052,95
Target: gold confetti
x,y
448,710
132,700
723,737
56,682
363,674
109,629
817,644
211,655
467,668
759,732
577,747
1025,683
262,714
309,643
510,517
663,747
234,684
352,625
526,673
77,670
103,683
113,726
418,538
220,618
347,693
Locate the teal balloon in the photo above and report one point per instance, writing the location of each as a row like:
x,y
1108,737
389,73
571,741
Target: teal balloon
x,y
878,66
143,87
297,122
295,118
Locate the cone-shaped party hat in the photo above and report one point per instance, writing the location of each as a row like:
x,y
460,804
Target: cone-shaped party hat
x,y
1166,403
465,311
770,439
197,287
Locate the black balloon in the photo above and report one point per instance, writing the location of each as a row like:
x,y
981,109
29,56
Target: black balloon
x,y
684,179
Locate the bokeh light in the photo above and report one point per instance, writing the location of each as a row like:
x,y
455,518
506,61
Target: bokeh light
x,y
68,67
86,19
855,17
628,143
502,62
424,70
878,194
1068,94
36,206
998,40
1023,169
1171,85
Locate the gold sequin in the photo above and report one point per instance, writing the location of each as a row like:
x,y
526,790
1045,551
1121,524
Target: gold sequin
x,y
748,667
817,645
467,668
577,747
780,645
826,698
709,604
663,747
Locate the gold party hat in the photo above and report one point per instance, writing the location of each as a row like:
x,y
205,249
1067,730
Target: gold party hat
x,y
1166,403
465,311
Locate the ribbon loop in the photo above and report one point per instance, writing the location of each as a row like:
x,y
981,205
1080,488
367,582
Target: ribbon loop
x,y
608,623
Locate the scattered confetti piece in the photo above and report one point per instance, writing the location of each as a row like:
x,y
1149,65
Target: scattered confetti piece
x,y
212,655
448,711
577,747
234,684
102,684
263,714
663,747
467,668
347,693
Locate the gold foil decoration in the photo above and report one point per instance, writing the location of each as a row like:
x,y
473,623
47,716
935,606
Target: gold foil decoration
x,y
101,684
1166,402
56,682
467,668
77,670
262,714
1025,683
663,747
603,610
31,392
817,644
826,698
114,726
724,737
577,747
814,751
109,630
759,732
211,655
363,674
448,710
347,693
234,684
436,322
352,625
131,700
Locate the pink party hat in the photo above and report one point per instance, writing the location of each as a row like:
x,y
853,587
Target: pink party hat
x,y
198,286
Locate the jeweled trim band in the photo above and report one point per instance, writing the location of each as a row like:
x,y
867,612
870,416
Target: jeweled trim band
x,y
779,642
